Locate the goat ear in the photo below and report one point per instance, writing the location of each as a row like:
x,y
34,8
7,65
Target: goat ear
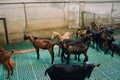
x,y
96,65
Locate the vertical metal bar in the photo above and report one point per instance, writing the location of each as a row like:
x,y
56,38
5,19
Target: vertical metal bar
x,y
111,20
68,16
25,17
83,26
94,17
64,13
79,15
6,31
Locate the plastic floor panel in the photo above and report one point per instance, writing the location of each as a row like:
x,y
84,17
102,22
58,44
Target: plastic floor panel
x,y
29,68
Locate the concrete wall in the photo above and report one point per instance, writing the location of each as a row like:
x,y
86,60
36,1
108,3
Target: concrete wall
x,y
38,16
46,17
15,20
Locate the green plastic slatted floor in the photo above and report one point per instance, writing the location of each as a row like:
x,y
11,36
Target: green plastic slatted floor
x,y
29,68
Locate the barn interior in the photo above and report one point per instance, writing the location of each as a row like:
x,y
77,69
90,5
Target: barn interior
x,y
41,18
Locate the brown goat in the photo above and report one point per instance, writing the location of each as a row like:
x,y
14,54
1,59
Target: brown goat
x,y
80,32
59,37
41,43
1,49
7,62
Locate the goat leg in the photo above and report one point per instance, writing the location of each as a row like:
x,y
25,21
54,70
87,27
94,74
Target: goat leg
x,y
106,51
37,52
75,56
59,50
52,54
62,55
8,69
93,44
97,45
112,53
52,58
68,58
79,57
86,57
11,69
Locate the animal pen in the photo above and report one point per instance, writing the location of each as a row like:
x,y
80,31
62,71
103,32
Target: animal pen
x,y
41,19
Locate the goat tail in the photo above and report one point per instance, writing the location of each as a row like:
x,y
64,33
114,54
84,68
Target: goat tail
x,y
12,52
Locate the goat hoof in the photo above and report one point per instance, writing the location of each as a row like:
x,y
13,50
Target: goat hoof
x,y
7,79
75,59
67,63
11,73
58,55
105,53
62,61
79,60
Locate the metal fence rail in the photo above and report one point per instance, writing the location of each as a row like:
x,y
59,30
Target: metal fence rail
x,y
115,1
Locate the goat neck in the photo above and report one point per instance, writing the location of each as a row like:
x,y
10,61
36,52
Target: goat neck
x,y
31,38
59,38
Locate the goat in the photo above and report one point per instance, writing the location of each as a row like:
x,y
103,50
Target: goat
x,y
116,48
42,43
73,47
70,72
77,49
99,37
80,32
1,49
110,45
59,37
7,62
78,42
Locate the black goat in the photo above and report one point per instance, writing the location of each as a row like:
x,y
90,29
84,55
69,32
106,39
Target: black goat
x,y
70,72
95,37
109,45
98,37
116,48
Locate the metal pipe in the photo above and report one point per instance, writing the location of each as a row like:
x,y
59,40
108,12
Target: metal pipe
x,y
61,2
6,31
111,20
25,17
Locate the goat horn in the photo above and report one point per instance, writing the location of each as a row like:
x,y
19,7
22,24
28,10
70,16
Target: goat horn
x,y
97,65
